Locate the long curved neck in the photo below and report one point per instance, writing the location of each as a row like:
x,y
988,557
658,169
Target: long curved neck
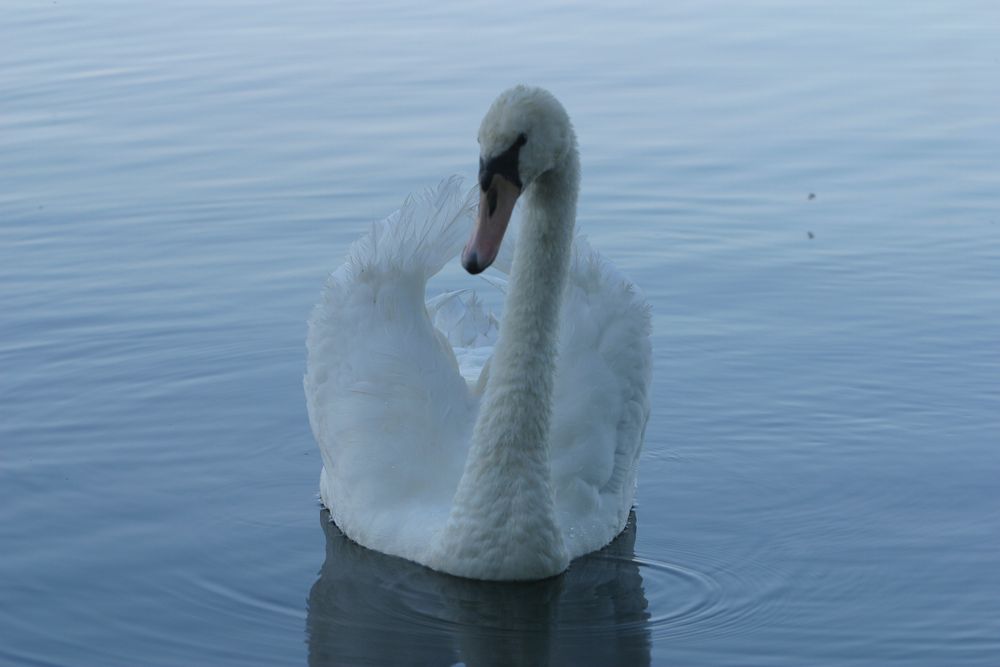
x,y
502,524
523,366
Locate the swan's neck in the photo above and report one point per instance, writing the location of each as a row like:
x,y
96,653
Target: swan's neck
x,y
519,393
503,523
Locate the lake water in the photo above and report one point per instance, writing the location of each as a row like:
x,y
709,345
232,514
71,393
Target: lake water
x,y
808,193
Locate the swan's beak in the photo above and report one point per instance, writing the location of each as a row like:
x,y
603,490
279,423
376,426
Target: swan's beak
x,y
496,204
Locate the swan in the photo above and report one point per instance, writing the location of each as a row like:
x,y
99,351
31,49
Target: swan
x,y
483,448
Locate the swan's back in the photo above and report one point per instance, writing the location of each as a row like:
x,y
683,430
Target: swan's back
x,y
392,411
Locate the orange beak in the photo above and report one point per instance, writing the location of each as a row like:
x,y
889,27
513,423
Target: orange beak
x,y
496,204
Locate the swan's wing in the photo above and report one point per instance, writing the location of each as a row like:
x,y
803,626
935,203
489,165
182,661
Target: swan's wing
x,y
601,400
387,405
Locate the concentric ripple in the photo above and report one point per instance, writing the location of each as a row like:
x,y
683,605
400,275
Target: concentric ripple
x,y
710,597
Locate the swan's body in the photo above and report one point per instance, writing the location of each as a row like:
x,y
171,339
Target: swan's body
x,y
492,466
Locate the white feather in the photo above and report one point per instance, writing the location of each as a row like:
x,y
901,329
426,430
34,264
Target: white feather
x,y
394,385
393,412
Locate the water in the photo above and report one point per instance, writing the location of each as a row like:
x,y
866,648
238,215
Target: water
x,y
808,194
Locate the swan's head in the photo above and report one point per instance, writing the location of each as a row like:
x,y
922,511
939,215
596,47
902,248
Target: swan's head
x,y
525,134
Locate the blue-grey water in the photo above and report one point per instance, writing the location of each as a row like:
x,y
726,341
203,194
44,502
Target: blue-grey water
x,y
808,194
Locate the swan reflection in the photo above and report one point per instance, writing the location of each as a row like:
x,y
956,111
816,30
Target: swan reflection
x,y
367,608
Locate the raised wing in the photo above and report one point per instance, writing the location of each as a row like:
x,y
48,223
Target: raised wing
x,y
387,404
600,406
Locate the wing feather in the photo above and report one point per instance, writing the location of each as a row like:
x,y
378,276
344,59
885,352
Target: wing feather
x,y
601,402
385,398
393,407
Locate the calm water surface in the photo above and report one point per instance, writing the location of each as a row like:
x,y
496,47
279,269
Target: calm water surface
x,y
808,193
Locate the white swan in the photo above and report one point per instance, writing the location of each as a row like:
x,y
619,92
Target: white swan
x,y
503,467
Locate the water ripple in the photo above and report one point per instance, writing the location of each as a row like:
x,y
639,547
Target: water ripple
x,y
608,598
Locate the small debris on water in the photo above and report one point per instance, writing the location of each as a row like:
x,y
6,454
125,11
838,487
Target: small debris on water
x,y
812,195
811,235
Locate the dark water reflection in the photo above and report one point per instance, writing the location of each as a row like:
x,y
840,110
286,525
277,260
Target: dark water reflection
x,y
370,609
